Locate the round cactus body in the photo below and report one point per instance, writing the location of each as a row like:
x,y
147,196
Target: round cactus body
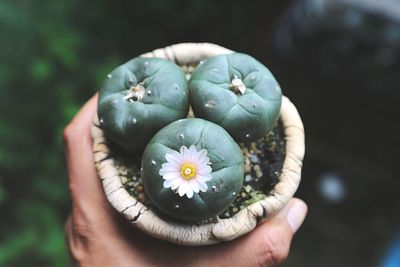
x,y
140,97
192,169
238,93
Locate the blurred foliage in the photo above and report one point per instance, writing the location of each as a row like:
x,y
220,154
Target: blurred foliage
x,y
53,56
39,91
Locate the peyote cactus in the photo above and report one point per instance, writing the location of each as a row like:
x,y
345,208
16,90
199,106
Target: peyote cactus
x,y
140,97
238,93
196,185
192,169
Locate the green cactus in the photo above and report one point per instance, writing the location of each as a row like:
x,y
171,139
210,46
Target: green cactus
x,y
140,97
211,142
238,93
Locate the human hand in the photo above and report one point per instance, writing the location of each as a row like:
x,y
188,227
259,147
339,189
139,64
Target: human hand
x,y
98,236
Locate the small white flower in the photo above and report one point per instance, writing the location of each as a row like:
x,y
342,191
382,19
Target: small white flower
x,y
186,172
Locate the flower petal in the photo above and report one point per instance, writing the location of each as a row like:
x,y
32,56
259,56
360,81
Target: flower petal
x,y
169,183
202,186
174,157
171,175
176,184
182,189
201,154
193,154
204,161
203,178
189,193
183,151
204,170
194,185
168,167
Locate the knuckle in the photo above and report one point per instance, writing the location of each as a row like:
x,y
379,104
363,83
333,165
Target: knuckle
x,y
73,187
279,256
82,231
81,228
78,237
68,133
275,250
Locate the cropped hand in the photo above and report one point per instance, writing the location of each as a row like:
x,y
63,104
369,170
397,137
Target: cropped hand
x,y
98,236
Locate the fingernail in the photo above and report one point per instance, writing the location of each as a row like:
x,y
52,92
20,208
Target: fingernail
x,y
296,215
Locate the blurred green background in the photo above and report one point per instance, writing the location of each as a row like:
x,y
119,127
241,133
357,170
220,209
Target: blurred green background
x,y
54,55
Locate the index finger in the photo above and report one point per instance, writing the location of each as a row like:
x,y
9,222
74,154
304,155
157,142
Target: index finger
x,y
84,184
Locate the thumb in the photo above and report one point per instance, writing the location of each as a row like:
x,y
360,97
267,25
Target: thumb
x,y
269,243
272,239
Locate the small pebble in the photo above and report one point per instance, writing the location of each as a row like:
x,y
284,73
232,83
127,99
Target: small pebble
x,y
258,171
235,209
247,178
254,158
139,188
247,188
247,166
141,197
253,147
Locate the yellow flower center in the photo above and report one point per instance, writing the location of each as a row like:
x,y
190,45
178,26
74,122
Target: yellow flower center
x,y
188,171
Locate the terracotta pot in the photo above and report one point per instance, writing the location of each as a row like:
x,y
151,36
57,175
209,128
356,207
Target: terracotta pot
x,y
149,221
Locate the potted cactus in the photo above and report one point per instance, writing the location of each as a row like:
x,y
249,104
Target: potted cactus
x,y
251,110
192,169
141,95
202,180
